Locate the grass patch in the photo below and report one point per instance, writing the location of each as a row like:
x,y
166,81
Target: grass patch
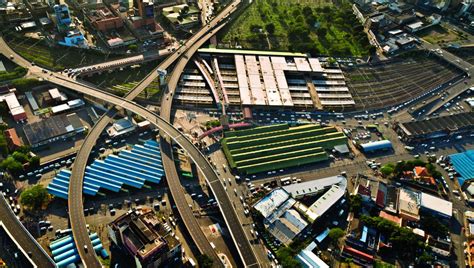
x,y
313,26
121,82
55,57
439,35
18,72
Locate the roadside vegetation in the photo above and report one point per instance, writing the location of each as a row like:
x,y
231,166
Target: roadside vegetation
x,y
54,57
314,26
35,198
121,82
18,72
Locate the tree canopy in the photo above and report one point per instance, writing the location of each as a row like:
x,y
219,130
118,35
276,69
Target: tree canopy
x,y
34,197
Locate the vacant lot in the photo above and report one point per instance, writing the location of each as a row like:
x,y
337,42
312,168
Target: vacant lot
x,y
54,58
439,35
121,82
314,26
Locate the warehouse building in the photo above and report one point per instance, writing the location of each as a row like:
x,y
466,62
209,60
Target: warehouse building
x,y
450,125
285,218
130,168
439,208
274,147
16,110
145,238
463,163
375,146
263,79
65,254
55,128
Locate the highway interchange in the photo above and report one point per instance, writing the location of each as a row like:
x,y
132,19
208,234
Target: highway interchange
x,y
184,53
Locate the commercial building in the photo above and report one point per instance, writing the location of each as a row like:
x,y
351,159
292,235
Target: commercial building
x,y
273,147
14,106
67,106
372,191
265,79
463,163
436,127
103,19
182,16
55,128
142,235
409,204
121,127
56,95
440,208
285,218
336,186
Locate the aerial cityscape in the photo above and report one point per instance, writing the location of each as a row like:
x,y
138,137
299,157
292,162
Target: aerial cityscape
x,y
236,133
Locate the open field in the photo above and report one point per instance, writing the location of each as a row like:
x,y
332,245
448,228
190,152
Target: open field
x,y
54,58
439,34
121,82
314,26
389,83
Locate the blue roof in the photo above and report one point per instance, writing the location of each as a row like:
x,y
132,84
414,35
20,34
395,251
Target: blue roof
x,y
376,145
463,163
363,237
322,235
64,251
133,168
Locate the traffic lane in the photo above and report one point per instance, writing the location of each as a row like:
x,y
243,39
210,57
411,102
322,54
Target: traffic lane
x,y
24,239
75,204
178,196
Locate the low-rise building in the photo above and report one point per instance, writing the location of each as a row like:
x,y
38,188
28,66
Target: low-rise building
x,y
141,235
13,140
55,128
439,208
121,127
102,19
409,204
182,16
16,109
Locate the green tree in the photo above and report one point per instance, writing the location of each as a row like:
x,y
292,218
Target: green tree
x,y
204,261
286,256
12,165
20,157
270,28
132,47
34,197
335,234
34,161
355,203
387,170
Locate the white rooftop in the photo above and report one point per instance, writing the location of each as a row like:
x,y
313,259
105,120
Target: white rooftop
x,y
268,204
312,187
436,204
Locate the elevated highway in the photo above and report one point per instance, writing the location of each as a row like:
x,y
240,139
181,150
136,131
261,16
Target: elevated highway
x,y
22,238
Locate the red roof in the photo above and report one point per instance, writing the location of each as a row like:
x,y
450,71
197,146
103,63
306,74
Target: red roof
x,y
13,139
358,253
421,172
392,218
380,199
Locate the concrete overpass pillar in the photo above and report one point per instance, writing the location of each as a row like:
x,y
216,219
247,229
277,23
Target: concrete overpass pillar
x,y
162,74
